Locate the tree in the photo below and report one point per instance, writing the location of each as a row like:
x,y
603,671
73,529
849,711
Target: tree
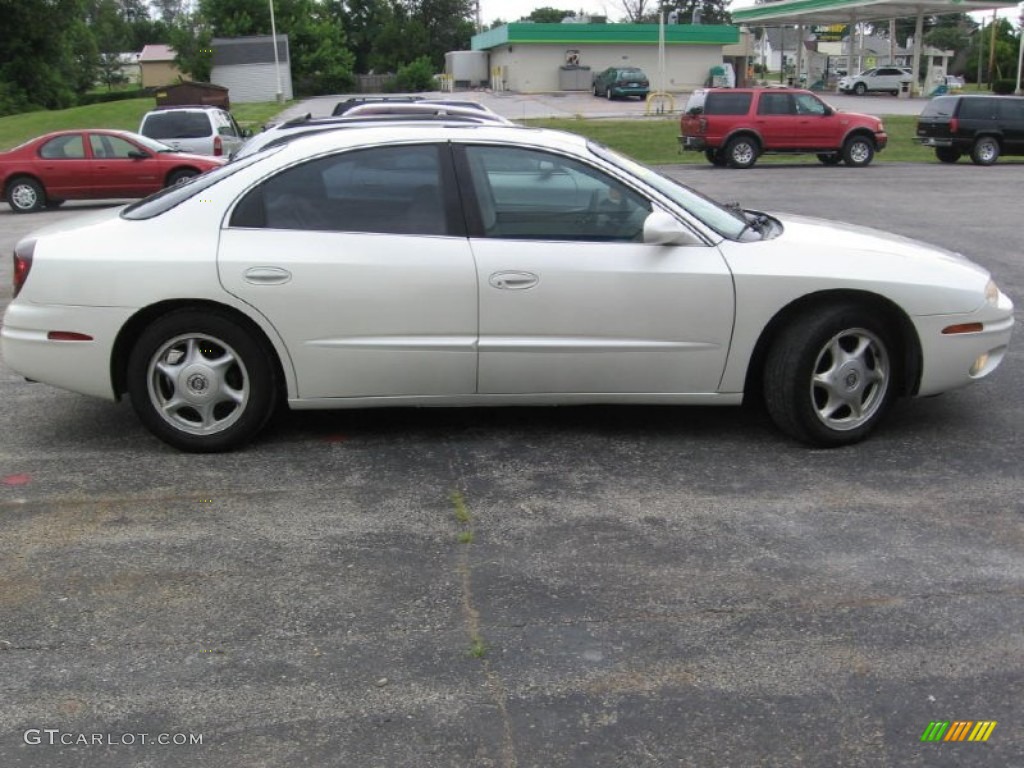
x,y
1005,65
548,15
711,11
638,11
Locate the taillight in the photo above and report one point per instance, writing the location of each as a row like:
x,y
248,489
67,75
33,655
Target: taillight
x,y
218,146
22,263
702,125
954,125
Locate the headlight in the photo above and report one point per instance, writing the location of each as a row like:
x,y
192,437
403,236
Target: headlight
x,y
992,293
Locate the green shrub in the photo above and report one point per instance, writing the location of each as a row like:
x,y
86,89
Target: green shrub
x,y
416,76
1004,87
103,98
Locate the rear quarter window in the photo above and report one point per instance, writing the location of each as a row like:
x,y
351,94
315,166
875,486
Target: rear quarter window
x,y
727,103
982,108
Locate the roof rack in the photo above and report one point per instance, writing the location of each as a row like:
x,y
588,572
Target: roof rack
x,y
426,108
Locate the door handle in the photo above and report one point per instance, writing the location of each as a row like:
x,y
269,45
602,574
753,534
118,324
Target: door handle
x,y
266,275
513,281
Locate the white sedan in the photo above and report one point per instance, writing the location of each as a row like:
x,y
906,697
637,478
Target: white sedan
x,y
458,265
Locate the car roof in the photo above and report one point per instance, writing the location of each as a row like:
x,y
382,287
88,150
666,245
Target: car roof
x,y
411,132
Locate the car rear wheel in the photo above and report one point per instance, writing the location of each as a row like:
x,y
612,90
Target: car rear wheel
x,y
608,93
860,89
741,152
25,195
183,174
201,382
830,158
985,151
947,154
828,378
858,151
716,157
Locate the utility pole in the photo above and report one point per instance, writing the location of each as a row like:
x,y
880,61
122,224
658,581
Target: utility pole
x,y
992,51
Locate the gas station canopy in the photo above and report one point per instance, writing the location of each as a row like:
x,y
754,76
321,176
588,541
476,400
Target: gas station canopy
x,y
846,11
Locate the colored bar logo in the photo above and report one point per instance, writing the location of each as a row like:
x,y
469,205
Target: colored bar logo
x,y
959,730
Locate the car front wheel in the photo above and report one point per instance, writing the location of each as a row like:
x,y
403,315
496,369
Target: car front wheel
x,y
25,195
858,151
947,154
985,151
829,378
201,382
860,89
181,175
741,152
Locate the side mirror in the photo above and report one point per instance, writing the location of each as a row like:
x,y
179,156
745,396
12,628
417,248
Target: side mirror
x,y
661,228
136,154
828,111
246,133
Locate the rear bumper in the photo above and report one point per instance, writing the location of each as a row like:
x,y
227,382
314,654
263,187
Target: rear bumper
x,y
693,143
629,91
931,141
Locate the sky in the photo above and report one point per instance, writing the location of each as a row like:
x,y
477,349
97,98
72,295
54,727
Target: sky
x,y
512,10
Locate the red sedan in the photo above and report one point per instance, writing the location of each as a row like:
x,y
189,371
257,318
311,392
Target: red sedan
x,y
92,165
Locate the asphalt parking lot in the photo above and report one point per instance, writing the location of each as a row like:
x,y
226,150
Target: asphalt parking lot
x,y
530,587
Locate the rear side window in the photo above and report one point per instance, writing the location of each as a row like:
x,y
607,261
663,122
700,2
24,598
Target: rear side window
x,y
1012,109
177,125
727,103
387,190
63,148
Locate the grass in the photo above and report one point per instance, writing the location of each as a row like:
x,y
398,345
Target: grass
x,y
124,115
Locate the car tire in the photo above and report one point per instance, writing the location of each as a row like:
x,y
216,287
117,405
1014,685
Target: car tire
x,y
716,157
201,382
180,175
830,158
25,195
858,151
985,151
595,91
860,89
828,377
741,152
947,154
608,93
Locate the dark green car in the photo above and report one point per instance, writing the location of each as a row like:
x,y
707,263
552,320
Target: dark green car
x,y
621,81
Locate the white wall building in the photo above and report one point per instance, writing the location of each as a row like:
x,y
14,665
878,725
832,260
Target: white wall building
x,y
245,66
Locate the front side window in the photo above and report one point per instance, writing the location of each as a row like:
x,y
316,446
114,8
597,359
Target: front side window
x,y
530,194
105,147
386,190
809,105
63,148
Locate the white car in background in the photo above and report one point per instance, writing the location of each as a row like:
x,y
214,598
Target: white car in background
x,y
480,264
879,79
201,130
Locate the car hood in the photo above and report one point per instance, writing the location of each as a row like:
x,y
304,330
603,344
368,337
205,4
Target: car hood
x,y
815,254
853,237
194,157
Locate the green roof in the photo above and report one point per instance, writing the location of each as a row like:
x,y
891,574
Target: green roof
x,y
605,34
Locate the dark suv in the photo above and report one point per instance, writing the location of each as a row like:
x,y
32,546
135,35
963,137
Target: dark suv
x,y
984,127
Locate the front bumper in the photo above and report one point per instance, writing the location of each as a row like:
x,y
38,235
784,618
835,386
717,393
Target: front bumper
x,y
955,360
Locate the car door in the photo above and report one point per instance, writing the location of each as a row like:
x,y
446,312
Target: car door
x,y
63,167
571,298
1011,117
117,169
776,120
359,259
228,130
816,125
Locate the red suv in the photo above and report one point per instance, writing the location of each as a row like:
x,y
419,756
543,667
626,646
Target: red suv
x,y
733,126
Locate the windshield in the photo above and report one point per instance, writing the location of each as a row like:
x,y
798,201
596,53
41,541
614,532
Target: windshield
x,y
724,221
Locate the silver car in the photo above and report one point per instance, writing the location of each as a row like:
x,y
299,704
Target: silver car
x,y
199,130
883,79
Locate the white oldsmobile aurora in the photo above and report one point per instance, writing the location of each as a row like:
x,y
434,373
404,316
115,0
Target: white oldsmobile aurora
x,y
457,265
